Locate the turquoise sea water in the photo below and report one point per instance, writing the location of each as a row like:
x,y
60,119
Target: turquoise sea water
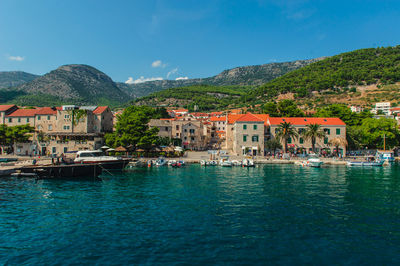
x,y
272,214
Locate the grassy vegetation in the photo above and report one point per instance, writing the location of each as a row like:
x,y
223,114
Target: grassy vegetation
x,y
337,74
205,97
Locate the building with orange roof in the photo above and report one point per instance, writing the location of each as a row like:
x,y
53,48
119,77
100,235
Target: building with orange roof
x,y
333,128
61,129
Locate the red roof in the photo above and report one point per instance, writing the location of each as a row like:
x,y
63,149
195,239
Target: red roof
x,y
180,110
216,119
100,110
249,118
233,117
23,113
4,108
46,111
307,120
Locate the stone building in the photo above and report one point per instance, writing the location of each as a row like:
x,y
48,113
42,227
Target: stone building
x,y
61,129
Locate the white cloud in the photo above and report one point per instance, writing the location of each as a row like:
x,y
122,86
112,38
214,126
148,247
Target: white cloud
x,y
173,71
182,78
141,80
158,63
16,58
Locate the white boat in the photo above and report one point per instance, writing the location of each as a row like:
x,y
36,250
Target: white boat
x,y
212,163
171,162
236,163
203,163
161,161
248,163
98,157
377,163
312,161
387,156
225,163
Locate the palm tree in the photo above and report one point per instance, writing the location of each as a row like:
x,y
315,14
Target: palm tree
x,y
286,131
313,132
338,142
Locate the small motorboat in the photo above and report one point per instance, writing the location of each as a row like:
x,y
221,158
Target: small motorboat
x,y
236,163
171,162
203,163
225,162
248,163
313,161
376,163
161,161
211,163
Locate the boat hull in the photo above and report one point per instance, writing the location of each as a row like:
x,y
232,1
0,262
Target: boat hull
x,y
109,165
72,171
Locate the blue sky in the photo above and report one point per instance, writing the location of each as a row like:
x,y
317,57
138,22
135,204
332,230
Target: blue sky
x,y
184,38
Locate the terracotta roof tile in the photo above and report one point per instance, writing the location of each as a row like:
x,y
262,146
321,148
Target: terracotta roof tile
x,y
4,108
23,113
249,118
100,110
216,119
46,111
331,121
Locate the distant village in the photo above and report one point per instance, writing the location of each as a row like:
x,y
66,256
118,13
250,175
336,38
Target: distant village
x,y
70,128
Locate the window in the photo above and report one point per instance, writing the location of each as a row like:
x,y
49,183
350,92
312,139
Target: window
x,y
53,150
276,130
254,138
327,131
50,127
48,117
301,130
244,138
185,138
19,120
185,130
325,140
191,131
38,118
66,116
192,138
177,127
301,140
255,127
166,128
10,120
39,127
65,149
66,127
338,131
244,127
289,140
27,120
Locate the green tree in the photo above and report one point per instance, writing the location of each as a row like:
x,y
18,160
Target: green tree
x,y
373,130
313,132
271,108
286,131
273,145
289,108
18,134
132,128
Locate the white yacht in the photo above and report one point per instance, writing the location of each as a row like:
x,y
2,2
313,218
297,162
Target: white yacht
x,y
98,157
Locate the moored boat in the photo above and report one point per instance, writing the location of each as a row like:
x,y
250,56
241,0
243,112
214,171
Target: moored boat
x,y
358,163
161,161
70,171
248,163
98,157
314,161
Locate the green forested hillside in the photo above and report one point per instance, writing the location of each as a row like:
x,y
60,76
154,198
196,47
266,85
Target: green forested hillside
x,y
206,97
340,72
